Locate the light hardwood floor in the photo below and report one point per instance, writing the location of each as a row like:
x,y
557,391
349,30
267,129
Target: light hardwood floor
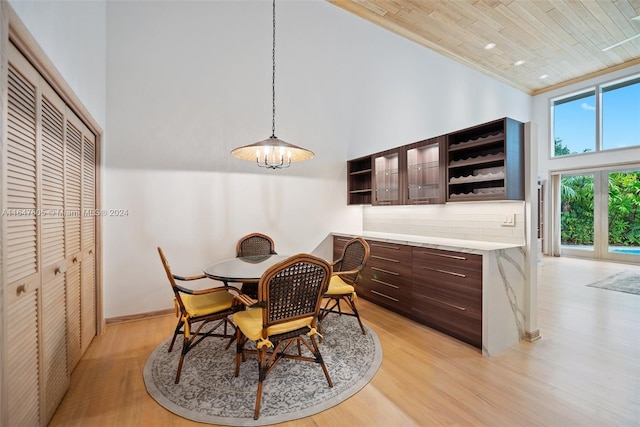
x,y
585,371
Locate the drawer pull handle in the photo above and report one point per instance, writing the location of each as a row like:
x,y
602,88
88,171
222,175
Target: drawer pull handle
x,y
385,259
385,283
457,307
385,296
385,271
445,256
446,272
377,245
21,289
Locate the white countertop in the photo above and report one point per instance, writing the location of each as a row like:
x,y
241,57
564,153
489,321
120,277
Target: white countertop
x,y
412,240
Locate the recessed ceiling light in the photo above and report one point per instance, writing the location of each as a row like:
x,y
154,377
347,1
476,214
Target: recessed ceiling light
x,y
489,46
544,76
519,62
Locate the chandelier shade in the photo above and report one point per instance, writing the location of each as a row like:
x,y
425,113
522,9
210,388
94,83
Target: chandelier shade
x,y
272,153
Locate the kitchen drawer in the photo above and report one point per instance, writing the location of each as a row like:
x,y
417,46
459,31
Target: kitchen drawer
x,y
464,323
451,259
456,281
464,301
390,252
394,296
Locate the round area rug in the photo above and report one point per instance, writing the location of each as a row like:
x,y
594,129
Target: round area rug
x,y
208,392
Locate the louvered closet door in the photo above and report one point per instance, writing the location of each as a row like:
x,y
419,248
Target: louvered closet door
x,y
54,314
22,368
88,287
73,220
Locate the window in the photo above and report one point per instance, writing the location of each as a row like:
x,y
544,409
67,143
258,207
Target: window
x,y
602,118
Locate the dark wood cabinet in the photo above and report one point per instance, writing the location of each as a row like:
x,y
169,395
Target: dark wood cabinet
x,y
388,177
439,288
425,172
359,181
447,292
486,162
386,279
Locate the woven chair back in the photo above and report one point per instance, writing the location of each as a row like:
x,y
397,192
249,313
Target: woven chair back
x,y
293,289
354,257
255,244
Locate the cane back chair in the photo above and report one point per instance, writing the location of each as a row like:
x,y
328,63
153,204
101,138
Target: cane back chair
x,y
285,317
197,308
344,277
254,244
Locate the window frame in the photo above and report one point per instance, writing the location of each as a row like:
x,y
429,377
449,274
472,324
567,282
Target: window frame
x,y
598,89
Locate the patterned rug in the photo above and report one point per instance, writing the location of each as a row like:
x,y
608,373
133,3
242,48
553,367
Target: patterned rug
x,y
625,281
209,393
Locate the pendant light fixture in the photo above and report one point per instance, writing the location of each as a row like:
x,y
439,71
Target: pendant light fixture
x,y
272,153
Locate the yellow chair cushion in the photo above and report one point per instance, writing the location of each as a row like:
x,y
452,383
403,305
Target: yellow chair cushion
x,y
204,304
337,286
250,323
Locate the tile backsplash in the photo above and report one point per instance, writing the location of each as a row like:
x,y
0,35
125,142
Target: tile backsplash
x,y
468,221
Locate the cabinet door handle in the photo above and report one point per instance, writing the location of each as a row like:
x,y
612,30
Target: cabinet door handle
x,y
386,284
385,271
453,273
385,259
457,307
75,260
57,271
21,289
444,255
384,296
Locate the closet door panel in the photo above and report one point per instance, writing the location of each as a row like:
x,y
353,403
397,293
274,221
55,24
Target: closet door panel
x,y
21,177
52,236
74,350
23,368
54,332
88,288
21,344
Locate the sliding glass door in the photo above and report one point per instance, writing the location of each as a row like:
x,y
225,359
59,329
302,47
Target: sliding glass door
x,y
597,214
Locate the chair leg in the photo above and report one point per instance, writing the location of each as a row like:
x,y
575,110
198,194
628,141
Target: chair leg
x,y
239,350
185,349
352,305
176,332
262,373
318,356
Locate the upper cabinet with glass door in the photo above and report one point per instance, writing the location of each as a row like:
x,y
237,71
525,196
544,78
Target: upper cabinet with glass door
x,y
426,172
388,179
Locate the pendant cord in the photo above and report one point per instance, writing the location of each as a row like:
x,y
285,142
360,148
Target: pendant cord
x,y
273,76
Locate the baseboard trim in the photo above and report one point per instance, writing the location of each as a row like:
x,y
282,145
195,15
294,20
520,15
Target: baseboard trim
x,y
532,336
139,316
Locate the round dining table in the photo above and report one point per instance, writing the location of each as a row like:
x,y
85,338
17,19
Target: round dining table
x,y
242,269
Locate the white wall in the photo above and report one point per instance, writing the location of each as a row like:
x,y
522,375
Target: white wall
x,y
73,35
188,81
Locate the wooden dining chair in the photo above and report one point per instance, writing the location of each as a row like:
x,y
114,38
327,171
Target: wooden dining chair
x,y
197,308
254,244
345,273
285,317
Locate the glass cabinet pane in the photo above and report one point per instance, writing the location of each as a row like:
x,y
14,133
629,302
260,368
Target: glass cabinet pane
x,y
423,172
387,178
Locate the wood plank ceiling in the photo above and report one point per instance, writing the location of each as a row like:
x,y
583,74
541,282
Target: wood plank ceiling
x,y
566,41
